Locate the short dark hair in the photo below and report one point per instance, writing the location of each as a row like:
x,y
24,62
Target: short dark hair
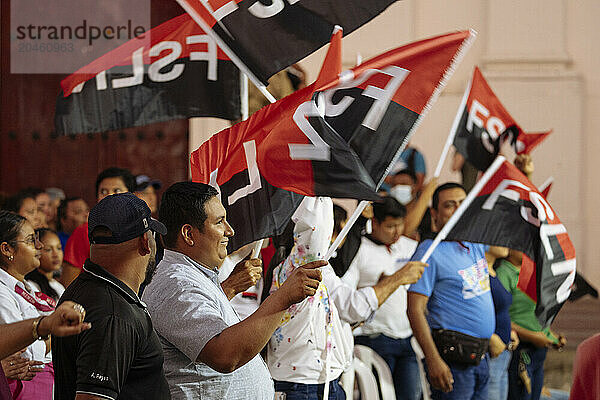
x,y
183,203
61,211
33,191
389,207
10,226
42,232
339,215
15,202
114,172
408,172
444,186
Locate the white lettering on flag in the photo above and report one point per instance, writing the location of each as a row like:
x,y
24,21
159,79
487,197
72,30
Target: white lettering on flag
x,y
101,81
547,230
383,96
318,149
209,55
544,211
560,268
138,72
213,182
154,69
493,127
222,9
253,174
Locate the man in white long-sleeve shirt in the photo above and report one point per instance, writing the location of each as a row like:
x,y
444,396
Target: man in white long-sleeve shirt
x,y
388,333
312,345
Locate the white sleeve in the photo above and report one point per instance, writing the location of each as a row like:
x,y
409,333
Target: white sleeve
x,y
9,309
352,275
353,305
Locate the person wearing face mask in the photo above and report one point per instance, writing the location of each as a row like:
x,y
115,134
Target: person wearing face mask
x,y
404,186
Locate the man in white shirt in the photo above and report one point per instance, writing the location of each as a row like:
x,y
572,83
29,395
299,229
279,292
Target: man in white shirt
x,y
209,353
382,253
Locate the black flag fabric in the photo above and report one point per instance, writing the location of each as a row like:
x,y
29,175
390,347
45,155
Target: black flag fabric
x,y
482,125
505,209
174,71
268,36
294,144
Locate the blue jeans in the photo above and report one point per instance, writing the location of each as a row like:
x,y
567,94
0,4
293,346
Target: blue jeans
x,y
533,359
400,357
498,385
303,391
470,382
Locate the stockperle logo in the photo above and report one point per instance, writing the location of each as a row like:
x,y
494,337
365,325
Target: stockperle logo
x,y
61,36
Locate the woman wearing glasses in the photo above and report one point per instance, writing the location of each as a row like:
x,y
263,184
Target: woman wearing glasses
x,y
29,372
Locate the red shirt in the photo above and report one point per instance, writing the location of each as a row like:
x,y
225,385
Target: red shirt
x,y
586,370
77,249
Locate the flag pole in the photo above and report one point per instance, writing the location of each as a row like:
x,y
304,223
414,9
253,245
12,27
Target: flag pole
x,y
245,114
452,133
336,243
232,56
244,95
463,206
546,183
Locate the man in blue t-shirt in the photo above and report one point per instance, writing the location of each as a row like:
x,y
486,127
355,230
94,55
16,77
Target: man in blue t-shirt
x,y
451,310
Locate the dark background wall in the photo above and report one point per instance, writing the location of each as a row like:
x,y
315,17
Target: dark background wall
x,y
32,155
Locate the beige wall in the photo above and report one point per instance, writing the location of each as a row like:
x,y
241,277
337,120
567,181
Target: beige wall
x,y
541,57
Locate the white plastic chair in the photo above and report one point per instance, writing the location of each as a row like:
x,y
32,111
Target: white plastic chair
x,y
420,357
367,385
374,360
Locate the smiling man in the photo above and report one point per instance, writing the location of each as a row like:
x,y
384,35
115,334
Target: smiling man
x,y
209,353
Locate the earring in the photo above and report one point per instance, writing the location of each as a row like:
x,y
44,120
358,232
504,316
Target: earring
x,y
11,257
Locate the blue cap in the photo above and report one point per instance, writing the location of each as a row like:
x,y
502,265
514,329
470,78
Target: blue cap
x,y
126,217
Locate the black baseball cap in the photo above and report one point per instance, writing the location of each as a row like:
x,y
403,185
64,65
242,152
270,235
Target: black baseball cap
x,y
125,215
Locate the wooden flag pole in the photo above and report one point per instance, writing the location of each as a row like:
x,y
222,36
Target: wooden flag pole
x,y
463,206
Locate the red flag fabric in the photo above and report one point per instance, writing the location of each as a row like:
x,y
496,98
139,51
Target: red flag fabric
x,y
173,71
375,102
528,141
483,124
338,136
509,211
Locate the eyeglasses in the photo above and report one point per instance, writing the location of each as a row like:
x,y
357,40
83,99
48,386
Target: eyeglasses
x,y
31,240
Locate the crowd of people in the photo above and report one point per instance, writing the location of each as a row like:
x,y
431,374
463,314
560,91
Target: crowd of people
x,y
136,299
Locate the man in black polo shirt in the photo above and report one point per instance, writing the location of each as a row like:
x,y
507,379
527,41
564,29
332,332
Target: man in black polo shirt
x,y
120,356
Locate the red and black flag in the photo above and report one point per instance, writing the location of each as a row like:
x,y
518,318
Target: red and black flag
x,y
505,209
268,36
482,125
337,136
174,71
